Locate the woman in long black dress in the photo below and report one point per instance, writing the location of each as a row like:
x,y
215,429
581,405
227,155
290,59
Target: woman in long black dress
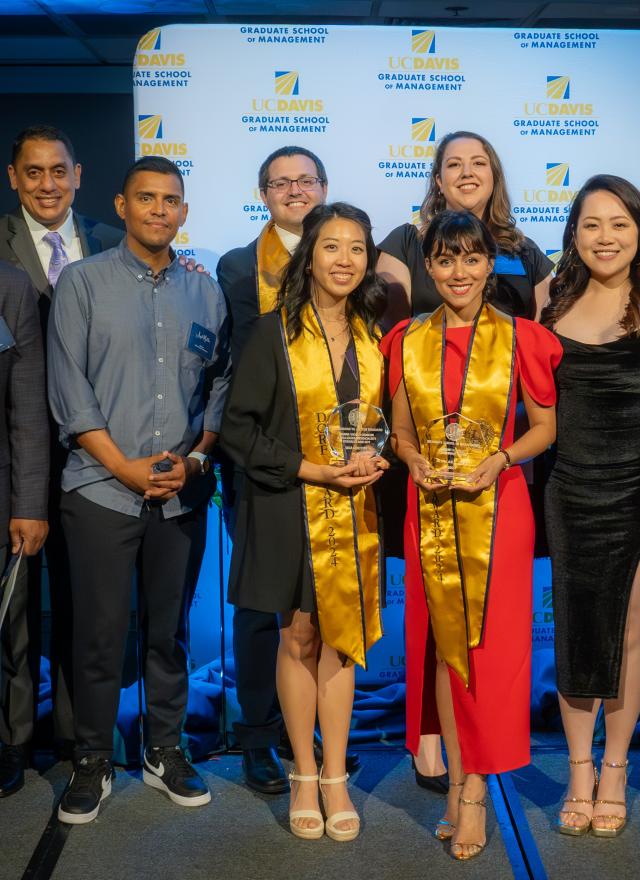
x,y
593,496
306,541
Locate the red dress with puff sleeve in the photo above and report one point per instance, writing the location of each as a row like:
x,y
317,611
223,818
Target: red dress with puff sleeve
x,y
492,715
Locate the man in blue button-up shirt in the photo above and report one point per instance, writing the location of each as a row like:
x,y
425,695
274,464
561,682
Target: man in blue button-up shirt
x,y
138,371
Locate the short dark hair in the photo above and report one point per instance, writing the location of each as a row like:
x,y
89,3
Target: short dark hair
x,y
263,174
157,164
41,133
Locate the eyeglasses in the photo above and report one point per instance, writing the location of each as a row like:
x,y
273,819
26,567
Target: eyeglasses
x,y
282,184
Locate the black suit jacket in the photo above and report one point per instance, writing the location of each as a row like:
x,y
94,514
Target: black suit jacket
x,y
17,247
24,430
238,277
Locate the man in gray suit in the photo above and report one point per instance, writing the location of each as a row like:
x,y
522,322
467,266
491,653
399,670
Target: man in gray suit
x,y
24,455
41,236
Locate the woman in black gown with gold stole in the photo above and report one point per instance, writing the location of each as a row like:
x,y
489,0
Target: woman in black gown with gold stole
x,y
593,496
307,541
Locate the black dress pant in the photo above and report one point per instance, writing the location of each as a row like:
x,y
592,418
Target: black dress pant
x,y
256,637
104,547
20,653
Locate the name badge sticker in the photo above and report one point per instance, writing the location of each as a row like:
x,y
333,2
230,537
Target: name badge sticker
x,y
6,338
201,341
506,264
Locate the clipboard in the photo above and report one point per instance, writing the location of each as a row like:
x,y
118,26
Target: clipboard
x,y
8,582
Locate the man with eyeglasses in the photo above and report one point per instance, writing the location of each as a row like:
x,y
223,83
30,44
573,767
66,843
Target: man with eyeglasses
x,y
292,181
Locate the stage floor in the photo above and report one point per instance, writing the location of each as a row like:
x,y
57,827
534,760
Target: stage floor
x,y
140,834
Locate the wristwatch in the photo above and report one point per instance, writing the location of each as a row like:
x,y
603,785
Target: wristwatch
x,y
203,461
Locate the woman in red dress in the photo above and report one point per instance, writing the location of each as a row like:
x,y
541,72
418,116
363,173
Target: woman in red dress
x,y
469,535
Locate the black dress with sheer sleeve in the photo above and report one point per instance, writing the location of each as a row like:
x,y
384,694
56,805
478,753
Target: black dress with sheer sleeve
x,y
592,508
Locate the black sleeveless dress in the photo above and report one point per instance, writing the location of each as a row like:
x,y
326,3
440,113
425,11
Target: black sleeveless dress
x,y
592,509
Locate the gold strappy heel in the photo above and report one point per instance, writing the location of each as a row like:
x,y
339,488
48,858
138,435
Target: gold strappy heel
x,y
578,830
458,854
444,828
598,830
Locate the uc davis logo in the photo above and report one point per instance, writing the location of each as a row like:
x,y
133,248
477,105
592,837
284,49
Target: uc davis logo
x,y
557,174
558,87
150,126
415,215
287,82
554,256
423,128
150,42
423,42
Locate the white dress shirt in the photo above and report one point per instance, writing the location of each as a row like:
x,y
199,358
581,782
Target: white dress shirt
x,y
68,233
289,239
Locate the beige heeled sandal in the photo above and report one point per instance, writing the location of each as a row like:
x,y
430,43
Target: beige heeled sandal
x,y
578,830
316,831
444,828
599,831
339,834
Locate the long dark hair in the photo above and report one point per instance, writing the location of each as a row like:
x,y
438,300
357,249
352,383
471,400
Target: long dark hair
x,y
572,276
367,301
457,232
497,214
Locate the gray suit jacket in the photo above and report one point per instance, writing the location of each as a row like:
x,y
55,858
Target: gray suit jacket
x,y
17,247
24,428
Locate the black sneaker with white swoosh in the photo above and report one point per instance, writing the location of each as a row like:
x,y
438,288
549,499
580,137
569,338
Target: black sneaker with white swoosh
x,y
168,770
88,787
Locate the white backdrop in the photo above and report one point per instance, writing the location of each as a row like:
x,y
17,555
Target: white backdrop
x,y
372,103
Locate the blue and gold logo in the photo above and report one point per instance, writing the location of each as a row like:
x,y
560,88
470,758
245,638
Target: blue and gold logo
x,y
151,132
423,128
151,42
150,126
416,219
558,87
412,72
287,82
554,256
423,42
557,174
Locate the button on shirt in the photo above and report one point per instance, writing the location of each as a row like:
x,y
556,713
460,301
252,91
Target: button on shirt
x,y
119,359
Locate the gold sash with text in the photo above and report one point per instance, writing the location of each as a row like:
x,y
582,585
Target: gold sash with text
x,y
457,529
341,524
272,259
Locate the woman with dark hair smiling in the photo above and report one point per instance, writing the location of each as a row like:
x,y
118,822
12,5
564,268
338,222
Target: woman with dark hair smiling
x,y
306,543
467,175
455,376
593,496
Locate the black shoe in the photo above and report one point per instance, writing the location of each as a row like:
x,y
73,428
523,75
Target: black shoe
x,y
437,784
169,770
263,770
13,760
89,785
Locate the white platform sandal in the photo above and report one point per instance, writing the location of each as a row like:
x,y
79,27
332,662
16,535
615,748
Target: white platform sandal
x,y
339,834
316,831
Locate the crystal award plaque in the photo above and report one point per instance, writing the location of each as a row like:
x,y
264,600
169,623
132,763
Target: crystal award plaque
x,y
356,428
455,446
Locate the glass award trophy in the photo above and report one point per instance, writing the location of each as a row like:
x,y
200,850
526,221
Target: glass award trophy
x,y
356,428
455,446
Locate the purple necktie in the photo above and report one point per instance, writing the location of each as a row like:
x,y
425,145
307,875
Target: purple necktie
x,y
59,258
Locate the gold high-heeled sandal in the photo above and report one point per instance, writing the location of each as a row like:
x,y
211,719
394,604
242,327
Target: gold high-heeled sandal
x,y
444,828
459,855
339,834
316,831
578,830
599,831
